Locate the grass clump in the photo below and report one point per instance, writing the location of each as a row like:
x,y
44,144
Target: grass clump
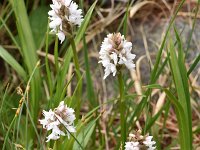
x,y
55,94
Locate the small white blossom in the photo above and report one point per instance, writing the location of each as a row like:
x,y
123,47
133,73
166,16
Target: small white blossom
x,y
63,16
139,142
56,132
149,143
132,146
115,52
49,118
62,116
66,116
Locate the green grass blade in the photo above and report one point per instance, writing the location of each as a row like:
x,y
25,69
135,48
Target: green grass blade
x,y
90,90
26,101
10,33
5,18
12,62
56,54
3,101
180,79
182,121
152,120
193,26
183,71
7,133
38,22
194,64
158,57
74,102
29,52
85,135
125,21
154,73
47,67
181,117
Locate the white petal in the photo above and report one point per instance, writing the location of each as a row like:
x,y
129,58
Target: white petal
x,y
61,36
114,58
107,72
55,22
52,13
67,3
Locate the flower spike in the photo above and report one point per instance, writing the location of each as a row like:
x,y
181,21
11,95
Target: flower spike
x,y
63,16
115,53
55,120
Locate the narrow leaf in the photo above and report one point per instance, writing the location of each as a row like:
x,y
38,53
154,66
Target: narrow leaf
x,y
12,62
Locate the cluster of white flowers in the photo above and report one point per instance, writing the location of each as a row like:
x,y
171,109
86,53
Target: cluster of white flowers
x,y
149,143
132,146
63,16
62,116
116,52
137,142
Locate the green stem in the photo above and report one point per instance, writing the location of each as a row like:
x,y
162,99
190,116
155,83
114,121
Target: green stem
x,y
71,135
26,129
75,139
122,109
49,78
7,133
78,76
56,53
76,63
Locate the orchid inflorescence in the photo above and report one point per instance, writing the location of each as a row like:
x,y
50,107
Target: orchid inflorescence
x,y
140,142
57,120
63,16
116,53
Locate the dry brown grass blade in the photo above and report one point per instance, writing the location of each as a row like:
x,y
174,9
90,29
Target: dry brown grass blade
x,y
69,76
99,26
50,56
46,89
138,6
188,14
137,83
146,45
160,102
138,62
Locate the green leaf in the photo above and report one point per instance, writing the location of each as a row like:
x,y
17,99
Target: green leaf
x,y
194,64
38,22
12,62
182,118
152,120
178,70
30,57
153,86
85,135
90,90
182,121
183,71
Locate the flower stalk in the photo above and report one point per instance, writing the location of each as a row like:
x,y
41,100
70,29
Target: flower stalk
x,y
78,75
56,53
122,109
115,54
75,56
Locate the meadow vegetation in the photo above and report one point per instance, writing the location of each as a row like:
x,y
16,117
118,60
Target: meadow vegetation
x,y
94,77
